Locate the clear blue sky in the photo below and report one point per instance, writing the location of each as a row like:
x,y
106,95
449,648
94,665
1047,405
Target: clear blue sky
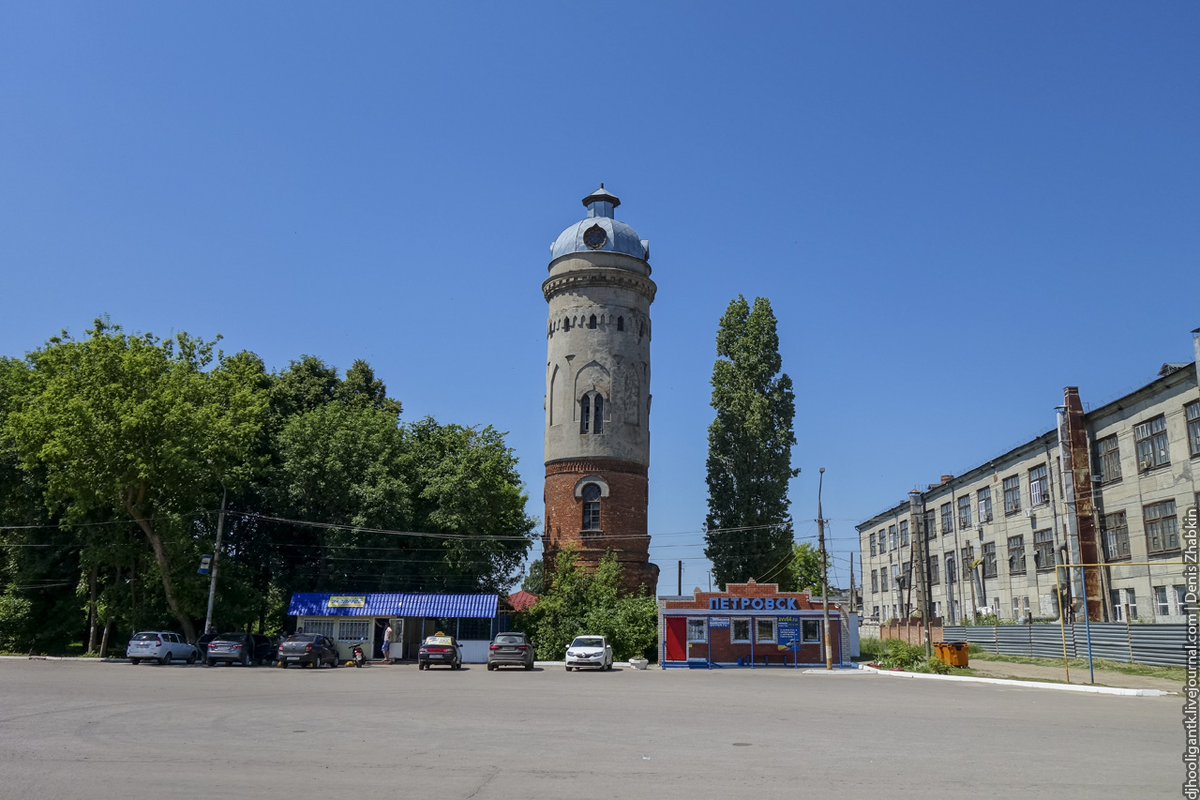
x,y
955,209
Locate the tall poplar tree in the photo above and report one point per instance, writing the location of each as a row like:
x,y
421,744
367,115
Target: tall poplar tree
x,y
749,528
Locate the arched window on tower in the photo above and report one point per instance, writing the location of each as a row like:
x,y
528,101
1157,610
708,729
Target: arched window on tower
x,y
591,507
591,413
592,322
620,323
566,323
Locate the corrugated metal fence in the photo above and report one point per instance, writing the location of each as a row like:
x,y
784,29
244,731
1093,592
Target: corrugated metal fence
x,y
1158,645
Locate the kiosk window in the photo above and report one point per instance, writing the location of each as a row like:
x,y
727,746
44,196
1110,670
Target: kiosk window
x,y
766,630
475,628
695,630
812,631
354,631
322,627
740,630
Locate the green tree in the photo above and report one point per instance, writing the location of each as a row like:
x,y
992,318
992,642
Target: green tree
x,y
576,601
534,580
806,568
749,527
143,429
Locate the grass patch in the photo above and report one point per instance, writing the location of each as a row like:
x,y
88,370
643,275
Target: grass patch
x,y
1177,674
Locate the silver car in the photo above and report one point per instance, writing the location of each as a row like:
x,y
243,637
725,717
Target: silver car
x,y
161,646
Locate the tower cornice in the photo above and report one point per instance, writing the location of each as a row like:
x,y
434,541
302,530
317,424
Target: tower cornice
x,y
599,277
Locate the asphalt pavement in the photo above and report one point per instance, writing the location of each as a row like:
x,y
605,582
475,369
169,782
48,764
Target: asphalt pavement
x,y
75,729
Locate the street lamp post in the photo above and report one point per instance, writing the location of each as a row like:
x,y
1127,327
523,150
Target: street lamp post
x,y
824,579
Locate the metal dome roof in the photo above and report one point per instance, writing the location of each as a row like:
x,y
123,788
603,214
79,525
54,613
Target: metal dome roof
x,y
600,231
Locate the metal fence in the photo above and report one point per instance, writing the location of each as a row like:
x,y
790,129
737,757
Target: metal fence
x,y
1158,645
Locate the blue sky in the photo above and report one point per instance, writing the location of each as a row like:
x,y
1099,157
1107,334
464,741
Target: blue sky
x,y
955,209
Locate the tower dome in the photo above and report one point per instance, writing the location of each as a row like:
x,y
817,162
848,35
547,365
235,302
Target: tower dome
x,y
600,230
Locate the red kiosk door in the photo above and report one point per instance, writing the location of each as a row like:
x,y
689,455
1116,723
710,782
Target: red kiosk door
x,y
676,638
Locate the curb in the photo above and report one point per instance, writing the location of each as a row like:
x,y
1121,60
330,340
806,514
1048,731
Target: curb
x,y
1064,687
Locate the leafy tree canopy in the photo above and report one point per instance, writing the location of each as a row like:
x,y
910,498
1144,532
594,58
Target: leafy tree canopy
x,y
749,527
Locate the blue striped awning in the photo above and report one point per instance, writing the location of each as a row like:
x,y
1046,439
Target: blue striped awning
x,y
392,604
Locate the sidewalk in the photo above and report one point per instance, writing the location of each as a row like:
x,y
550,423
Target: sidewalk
x,y
1006,669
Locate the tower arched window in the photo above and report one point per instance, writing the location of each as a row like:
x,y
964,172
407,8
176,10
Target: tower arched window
x,y
591,507
620,323
591,413
566,323
592,322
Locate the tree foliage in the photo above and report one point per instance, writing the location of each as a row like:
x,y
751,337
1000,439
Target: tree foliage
x,y
576,602
806,568
121,448
749,527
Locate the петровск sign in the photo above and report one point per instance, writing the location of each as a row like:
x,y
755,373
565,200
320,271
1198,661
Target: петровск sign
x,y
755,603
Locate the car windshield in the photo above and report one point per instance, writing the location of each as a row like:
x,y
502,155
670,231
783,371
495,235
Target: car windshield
x,y
587,641
510,640
144,637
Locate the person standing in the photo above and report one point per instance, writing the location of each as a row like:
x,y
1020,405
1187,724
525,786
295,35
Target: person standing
x,y
387,644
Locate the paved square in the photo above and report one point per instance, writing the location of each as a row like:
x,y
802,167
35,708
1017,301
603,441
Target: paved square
x,y
87,730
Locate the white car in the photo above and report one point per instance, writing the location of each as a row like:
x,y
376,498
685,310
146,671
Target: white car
x,y
591,652
161,646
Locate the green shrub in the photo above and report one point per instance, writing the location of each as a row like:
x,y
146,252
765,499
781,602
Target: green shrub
x,y
936,666
901,655
873,649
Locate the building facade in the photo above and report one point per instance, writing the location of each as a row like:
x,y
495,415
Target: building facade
x,y
597,402
1113,486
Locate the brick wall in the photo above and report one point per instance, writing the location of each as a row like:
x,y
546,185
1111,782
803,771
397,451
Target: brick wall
x,y
622,517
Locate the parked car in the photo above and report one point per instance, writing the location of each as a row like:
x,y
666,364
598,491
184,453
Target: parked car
x,y
303,649
240,648
592,652
439,649
513,649
161,646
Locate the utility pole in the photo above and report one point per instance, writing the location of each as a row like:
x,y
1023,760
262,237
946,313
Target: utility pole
x,y
679,585
212,581
917,509
824,567
851,581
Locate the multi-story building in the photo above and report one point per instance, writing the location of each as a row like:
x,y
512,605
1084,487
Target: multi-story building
x,y
1113,486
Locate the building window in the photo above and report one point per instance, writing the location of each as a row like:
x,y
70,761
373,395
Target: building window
x,y
1016,607
1192,410
591,507
810,630
354,630
903,533
947,519
620,323
964,512
874,581
1152,447
985,505
934,577
882,541
1162,602
740,630
875,612
764,630
591,413
1120,599
1115,535
1162,527
1012,494
968,557
951,572
319,627
930,524
899,584
696,630
883,580
1181,599
989,560
1108,457
592,322
1043,550
1016,555
1039,486
893,538
872,544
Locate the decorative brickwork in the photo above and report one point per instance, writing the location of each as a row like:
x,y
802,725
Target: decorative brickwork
x,y
622,517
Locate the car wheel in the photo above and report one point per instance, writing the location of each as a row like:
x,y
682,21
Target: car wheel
x,y
166,659
568,669
283,665
135,661
191,659
491,667
529,666
210,662
245,660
